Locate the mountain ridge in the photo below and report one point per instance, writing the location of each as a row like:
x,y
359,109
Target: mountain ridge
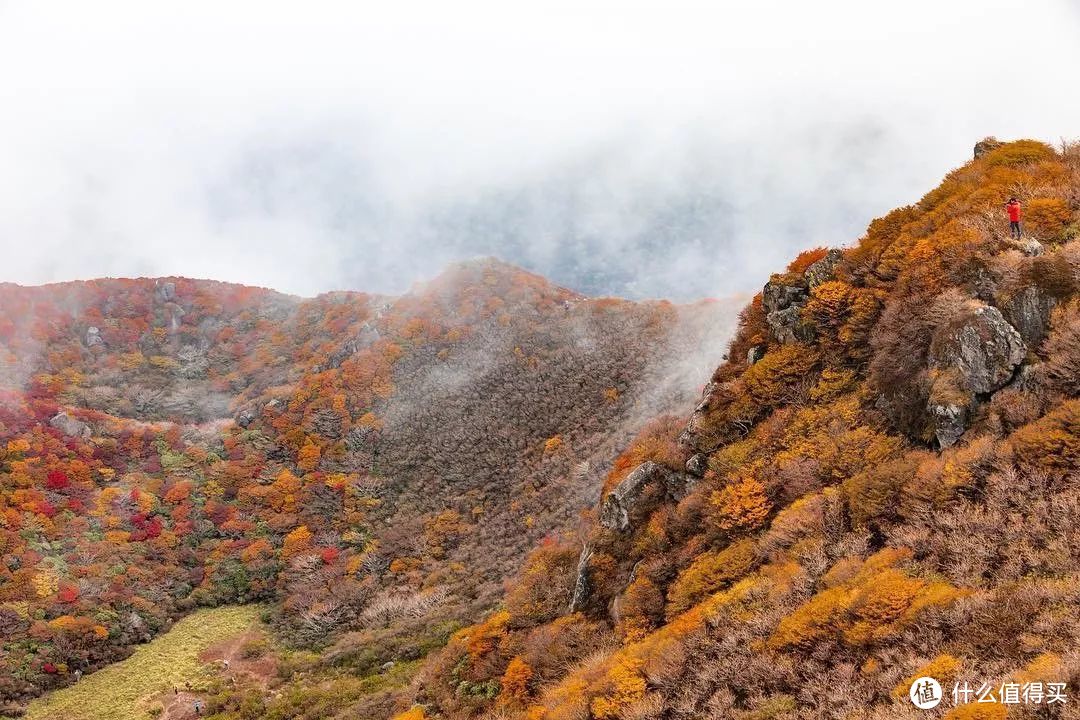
x,y
219,443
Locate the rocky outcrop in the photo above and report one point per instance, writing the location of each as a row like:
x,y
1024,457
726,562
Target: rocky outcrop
x,y
982,346
580,593
755,354
1029,312
93,337
824,269
783,300
697,465
70,426
628,499
973,355
986,145
950,422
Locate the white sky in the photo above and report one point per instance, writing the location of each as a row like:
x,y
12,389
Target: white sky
x,y
316,145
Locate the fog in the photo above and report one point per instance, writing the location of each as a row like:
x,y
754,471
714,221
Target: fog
x,y
665,149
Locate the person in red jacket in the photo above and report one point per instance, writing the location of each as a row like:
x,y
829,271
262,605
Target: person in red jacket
x,y
1015,215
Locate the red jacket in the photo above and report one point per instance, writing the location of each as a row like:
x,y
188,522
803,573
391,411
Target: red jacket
x,y
1014,211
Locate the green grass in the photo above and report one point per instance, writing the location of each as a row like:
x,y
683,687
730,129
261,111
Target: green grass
x,y
122,691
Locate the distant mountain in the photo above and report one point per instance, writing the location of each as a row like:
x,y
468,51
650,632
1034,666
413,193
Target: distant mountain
x,y
369,463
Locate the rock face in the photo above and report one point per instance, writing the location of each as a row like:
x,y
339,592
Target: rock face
x,y
754,354
783,300
950,422
1029,312
93,337
70,426
986,145
581,580
824,269
697,465
628,497
982,346
973,355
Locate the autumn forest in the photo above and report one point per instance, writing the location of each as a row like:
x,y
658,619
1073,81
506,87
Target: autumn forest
x,y
493,497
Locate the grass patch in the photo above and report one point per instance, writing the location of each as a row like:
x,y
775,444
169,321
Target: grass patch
x,y
122,691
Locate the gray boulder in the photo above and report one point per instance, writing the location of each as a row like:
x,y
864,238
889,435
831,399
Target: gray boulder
x,y
70,426
777,296
950,422
624,501
824,269
93,337
165,292
1029,312
786,326
982,346
697,465
754,354
986,145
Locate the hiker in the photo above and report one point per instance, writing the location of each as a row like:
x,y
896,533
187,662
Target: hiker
x,y
198,707
1015,215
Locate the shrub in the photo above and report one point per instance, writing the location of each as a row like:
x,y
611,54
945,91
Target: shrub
x,y
740,507
1048,217
875,493
1052,442
515,682
626,686
978,711
542,590
1019,152
709,573
1062,348
805,259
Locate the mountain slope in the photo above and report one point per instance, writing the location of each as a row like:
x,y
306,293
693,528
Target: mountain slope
x,y
879,483
169,443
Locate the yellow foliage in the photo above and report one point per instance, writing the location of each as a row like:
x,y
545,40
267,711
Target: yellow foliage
x,y
1019,152
309,456
708,573
1052,441
45,583
740,507
161,362
553,443
414,713
130,361
627,686
1047,217
484,637
296,542
868,603
515,682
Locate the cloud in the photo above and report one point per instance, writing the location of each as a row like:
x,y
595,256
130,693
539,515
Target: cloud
x,y
676,149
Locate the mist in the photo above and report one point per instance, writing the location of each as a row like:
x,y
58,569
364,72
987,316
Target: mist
x,y
678,150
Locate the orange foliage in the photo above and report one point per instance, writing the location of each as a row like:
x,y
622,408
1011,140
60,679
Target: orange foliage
x,y
740,507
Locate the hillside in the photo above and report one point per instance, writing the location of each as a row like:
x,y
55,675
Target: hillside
x,y
879,483
354,459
